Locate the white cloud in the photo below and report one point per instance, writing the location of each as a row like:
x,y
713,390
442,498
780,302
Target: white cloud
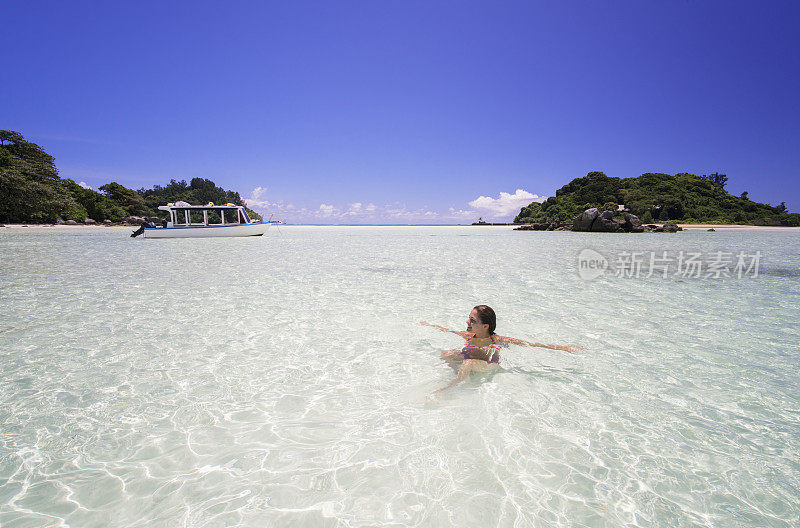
x,y
460,213
506,204
258,199
397,211
357,212
326,210
258,202
354,209
85,185
500,209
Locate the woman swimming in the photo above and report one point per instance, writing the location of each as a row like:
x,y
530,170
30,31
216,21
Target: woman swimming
x,y
481,352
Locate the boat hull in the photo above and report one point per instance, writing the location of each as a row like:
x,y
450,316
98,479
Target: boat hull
x,y
234,230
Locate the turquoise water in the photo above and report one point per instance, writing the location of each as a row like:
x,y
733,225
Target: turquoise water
x,y
282,381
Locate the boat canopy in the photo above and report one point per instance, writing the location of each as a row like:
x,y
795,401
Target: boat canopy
x,y
234,211
198,207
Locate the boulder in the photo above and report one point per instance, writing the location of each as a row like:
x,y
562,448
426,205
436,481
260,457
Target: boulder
x,y
539,226
556,225
89,221
584,221
133,220
532,227
605,223
70,222
671,228
712,229
633,224
107,221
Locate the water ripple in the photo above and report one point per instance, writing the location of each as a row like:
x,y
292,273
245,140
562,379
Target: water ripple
x,y
282,381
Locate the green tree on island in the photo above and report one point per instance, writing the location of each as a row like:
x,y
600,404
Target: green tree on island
x,y
32,191
656,197
128,199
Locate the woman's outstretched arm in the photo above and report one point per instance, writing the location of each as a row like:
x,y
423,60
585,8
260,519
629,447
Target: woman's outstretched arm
x,y
443,329
566,348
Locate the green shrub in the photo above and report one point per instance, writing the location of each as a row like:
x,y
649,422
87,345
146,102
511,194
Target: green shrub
x,y
656,197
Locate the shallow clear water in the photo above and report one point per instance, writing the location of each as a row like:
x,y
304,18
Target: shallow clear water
x,y
282,380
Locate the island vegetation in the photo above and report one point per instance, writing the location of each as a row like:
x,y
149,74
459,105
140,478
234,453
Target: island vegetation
x,y
655,197
32,192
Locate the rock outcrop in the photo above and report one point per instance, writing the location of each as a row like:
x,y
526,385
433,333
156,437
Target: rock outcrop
x,y
544,226
585,220
605,223
133,220
593,221
633,224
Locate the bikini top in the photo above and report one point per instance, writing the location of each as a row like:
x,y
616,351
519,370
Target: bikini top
x,y
489,353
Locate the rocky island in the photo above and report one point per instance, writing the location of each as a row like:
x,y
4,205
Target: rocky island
x,y
592,220
650,202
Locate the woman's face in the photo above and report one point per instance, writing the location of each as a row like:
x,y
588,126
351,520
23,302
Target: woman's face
x,y
474,322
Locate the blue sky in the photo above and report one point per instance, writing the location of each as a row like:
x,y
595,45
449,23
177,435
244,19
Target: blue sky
x,y
406,112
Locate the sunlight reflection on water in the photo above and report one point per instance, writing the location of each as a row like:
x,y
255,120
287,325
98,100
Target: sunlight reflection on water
x,y
282,380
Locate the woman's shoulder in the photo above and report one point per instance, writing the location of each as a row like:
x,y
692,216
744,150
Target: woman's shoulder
x,y
498,342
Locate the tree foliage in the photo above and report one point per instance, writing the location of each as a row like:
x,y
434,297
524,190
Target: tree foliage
x,y
128,199
716,179
656,197
31,190
199,191
93,205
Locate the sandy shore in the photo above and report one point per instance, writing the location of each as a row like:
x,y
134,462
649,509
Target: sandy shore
x,y
61,227
734,227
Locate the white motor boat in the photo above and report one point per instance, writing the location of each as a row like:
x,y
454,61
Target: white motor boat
x,y
195,221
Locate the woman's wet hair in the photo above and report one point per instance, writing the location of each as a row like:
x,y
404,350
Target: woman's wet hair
x,y
487,316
